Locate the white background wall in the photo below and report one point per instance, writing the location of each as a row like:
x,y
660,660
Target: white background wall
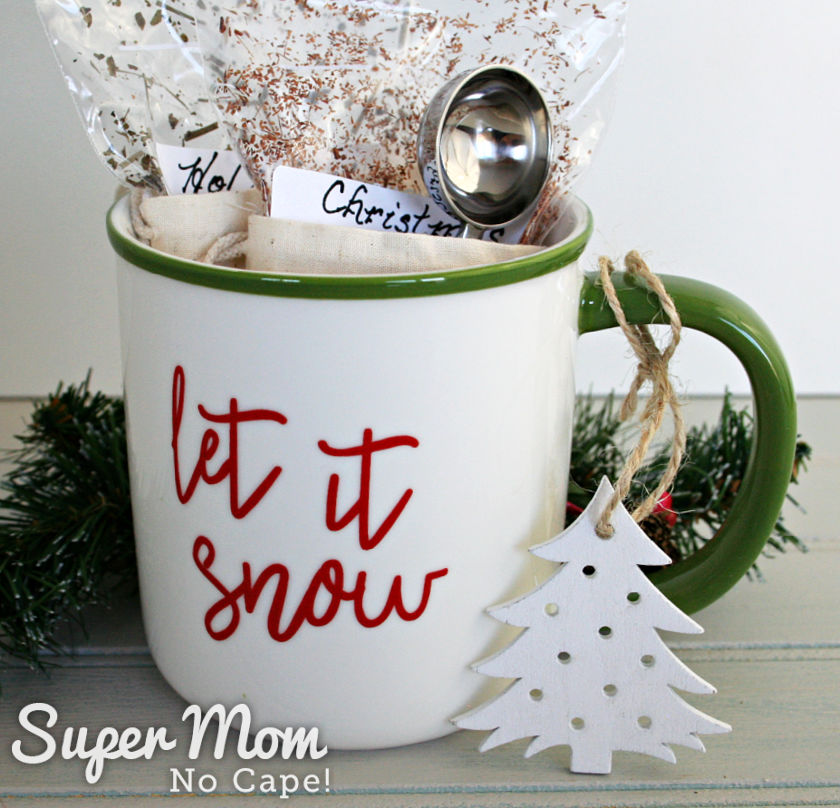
x,y
721,164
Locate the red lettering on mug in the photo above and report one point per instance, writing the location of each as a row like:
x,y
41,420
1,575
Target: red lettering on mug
x,y
329,577
361,507
229,469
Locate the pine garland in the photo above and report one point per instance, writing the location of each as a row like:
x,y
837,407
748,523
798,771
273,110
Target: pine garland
x,y
704,489
66,540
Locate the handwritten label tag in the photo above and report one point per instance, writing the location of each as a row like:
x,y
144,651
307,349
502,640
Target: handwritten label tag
x,y
311,196
196,171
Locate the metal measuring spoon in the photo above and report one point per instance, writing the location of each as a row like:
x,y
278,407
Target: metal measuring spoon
x,y
484,147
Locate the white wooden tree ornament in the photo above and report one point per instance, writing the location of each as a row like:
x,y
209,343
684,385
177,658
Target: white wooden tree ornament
x,y
591,670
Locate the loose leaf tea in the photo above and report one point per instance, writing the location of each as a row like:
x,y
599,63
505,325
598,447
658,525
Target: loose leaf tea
x,y
340,87
136,75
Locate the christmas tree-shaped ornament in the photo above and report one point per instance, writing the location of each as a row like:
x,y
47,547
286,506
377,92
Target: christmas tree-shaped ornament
x,y
591,670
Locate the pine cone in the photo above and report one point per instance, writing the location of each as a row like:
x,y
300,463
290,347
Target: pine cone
x,y
659,530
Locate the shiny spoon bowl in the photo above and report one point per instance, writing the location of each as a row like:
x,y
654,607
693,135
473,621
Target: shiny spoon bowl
x,y
484,147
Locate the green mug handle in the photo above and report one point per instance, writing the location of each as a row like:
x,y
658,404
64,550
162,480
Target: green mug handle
x,y
696,581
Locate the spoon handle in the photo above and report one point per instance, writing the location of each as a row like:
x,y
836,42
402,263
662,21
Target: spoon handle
x,y
471,230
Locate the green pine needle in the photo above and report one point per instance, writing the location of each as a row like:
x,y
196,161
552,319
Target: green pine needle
x,y
66,539
706,484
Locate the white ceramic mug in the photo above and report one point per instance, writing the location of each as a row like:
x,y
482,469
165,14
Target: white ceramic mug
x,y
333,477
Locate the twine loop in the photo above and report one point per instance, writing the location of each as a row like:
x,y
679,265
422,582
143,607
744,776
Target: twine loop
x,y
652,367
226,248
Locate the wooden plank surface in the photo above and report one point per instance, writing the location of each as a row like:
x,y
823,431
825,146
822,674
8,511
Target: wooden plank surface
x,y
777,687
772,649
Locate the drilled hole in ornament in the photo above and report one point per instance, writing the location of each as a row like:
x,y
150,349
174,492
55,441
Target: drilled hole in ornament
x,y
644,721
610,690
634,597
536,694
577,723
605,631
552,609
648,660
565,657
589,570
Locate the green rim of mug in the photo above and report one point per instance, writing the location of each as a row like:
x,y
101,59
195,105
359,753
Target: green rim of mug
x,y
696,581
345,287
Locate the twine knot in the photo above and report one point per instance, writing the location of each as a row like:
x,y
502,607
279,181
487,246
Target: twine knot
x,y
653,368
